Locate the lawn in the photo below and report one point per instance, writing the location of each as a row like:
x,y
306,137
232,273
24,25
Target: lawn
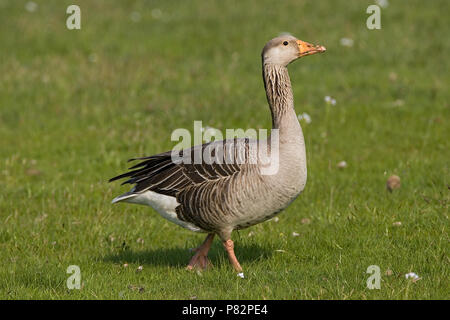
x,y
76,104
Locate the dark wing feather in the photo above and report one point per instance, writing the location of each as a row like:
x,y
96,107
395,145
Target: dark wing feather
x,y
159,173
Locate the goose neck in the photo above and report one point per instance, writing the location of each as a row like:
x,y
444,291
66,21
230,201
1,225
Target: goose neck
x,y
279,93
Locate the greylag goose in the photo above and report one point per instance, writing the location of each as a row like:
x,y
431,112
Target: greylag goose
x,y
217,197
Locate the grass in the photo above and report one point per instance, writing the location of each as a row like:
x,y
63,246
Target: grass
x,y
75,105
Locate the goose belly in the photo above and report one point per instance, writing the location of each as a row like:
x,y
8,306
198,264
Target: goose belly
x,y
262,212
165,206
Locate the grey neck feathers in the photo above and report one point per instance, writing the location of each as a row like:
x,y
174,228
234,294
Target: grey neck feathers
x,y
278,92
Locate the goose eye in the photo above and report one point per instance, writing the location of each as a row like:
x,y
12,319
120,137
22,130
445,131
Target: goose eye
x,y
285,43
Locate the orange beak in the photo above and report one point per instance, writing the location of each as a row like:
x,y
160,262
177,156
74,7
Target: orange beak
x,y
306,49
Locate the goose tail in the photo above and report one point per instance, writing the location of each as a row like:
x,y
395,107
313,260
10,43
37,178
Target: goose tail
x,y
124,197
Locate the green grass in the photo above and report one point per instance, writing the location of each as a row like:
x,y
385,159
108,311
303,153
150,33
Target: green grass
x,y
75,105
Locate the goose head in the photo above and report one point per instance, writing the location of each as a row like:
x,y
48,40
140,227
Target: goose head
x,y
285,49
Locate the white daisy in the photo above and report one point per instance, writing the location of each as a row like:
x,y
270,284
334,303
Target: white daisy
x,y
346,42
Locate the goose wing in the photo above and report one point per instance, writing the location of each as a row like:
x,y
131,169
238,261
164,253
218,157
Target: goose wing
x,y
169,173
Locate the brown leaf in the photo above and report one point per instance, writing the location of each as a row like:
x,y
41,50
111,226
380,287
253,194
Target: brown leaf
x,y
393,182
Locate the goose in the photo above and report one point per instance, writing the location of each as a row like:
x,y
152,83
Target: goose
x,y
217,197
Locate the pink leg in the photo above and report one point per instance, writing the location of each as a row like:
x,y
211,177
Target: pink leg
x,y
200,258
229,246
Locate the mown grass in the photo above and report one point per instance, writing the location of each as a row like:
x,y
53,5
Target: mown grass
x,y
74,105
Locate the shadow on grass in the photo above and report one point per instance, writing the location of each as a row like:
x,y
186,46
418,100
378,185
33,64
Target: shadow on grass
x,y
179,257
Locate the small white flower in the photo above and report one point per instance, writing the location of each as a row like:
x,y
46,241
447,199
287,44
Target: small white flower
x,y
276,219
346,42
342,165
304,116
398,103
295,234
135,16
307,118
156,13
330,100
125,265
31,6
382,3
412,275
140,268
240,275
